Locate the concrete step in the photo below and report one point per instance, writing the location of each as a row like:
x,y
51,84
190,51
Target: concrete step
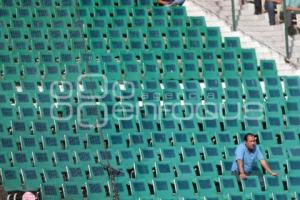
x,y
256,26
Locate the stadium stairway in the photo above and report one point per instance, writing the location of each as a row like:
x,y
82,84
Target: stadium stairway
x,y
253,30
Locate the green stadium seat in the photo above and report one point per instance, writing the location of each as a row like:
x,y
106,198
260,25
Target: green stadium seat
x,y
145,3
205,185
71,191
159,139
75,174
293,152
28,143
213,38
228,185
185,170
292,107
8,143
233,43
267,137
251,184
115,140
252,89
52,175
4,159
268,68
162,188
291,82
276,151
184,188
142,170
31,179
210,70
190,154
281,195
107,156
97,172
169,125
126,157
289,137
293,165
293,182
63,158
94,190
139,188
42,159
169,154
293,121
11,72
11,178
50,191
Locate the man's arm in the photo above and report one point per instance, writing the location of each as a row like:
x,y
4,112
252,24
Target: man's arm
x,y
267,168
240,165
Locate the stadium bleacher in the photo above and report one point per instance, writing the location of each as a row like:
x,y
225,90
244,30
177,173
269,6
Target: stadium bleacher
x,y
124,99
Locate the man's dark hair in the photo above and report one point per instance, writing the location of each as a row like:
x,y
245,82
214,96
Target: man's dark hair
x,y
247,135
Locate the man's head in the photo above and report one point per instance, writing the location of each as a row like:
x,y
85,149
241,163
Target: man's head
x,y
250,141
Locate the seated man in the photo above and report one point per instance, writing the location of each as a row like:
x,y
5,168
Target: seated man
x,y
245,156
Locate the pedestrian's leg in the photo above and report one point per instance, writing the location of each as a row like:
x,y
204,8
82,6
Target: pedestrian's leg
x,y
291,29
270,7
257,6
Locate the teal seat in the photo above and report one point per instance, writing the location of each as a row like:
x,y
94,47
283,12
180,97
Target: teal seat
x,y
162,188
42,159
21,159
127,157
293,182
29,142
186,170
71,191
274,90
159,138
205,185
228,185
95,190
4,159
251,184
139,188
63,158
50,191
252,89
31,178
11,179
8,143
184,188
75,174
190,154
293,121
268,68
233,43
169,154
213,38
96,173
164,170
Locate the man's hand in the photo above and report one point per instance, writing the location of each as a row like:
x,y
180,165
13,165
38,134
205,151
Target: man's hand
x,y
273,173
243,176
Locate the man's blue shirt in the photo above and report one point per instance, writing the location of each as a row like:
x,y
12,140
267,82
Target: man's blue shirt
x,y
249,158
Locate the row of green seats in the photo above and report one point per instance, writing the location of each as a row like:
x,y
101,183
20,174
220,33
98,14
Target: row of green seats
x,y
81,3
